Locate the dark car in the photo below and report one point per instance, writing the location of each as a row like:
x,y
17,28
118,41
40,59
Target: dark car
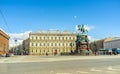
x,y
7,55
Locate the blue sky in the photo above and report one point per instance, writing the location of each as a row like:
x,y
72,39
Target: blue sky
x,y
32,15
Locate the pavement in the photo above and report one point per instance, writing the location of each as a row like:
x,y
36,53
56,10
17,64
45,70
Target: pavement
x,y
60,65
30,58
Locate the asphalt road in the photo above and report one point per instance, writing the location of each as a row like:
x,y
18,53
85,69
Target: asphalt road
x,y
82,66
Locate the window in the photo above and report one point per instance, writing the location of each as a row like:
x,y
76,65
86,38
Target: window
x,y
55,38
40,38
70,38
63,44
62,38
51,38
59,44
36,44
32,44
48,44
51,44
44,44
32,50
59,38
40,50
40,44
36,38
44,38
55,44
36,50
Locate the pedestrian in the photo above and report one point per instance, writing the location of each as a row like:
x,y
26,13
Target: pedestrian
x,y
46,54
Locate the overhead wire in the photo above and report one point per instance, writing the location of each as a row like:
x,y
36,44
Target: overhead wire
x,y
5,21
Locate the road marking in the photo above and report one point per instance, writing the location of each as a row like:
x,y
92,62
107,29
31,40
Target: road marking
x,y
95,70
81,72
51,72
110,68
62,73
110,72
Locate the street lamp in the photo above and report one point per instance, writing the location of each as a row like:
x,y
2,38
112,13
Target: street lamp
x,y
71,44
15,46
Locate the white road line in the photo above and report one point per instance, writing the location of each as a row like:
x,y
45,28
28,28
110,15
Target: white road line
x,y
110,68
81,72
110,72
95,70
62,73
51,72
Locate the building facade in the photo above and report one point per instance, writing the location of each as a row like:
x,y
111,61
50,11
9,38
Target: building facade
x,y
4,42
113,43
26,46
96,45
51,42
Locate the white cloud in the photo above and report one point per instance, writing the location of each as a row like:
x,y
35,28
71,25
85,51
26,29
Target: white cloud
x,y
89,27
91,39
19,37
75,17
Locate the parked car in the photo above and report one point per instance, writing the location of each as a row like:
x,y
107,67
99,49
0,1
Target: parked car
x,y
7,55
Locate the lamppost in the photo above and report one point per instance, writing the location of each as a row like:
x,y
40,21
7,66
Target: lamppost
x,y
15,46
95,47
71,44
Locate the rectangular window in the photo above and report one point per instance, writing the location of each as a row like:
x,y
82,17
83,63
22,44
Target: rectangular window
x,y
40,38
44,38
59,38
51,44
59,44
55,38
70,38
40,44
32,44
36,38
44,44
51,38
63,44
36,44
48,44
55,44
62,38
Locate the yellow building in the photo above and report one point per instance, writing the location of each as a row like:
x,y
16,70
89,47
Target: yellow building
x,y
51,42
